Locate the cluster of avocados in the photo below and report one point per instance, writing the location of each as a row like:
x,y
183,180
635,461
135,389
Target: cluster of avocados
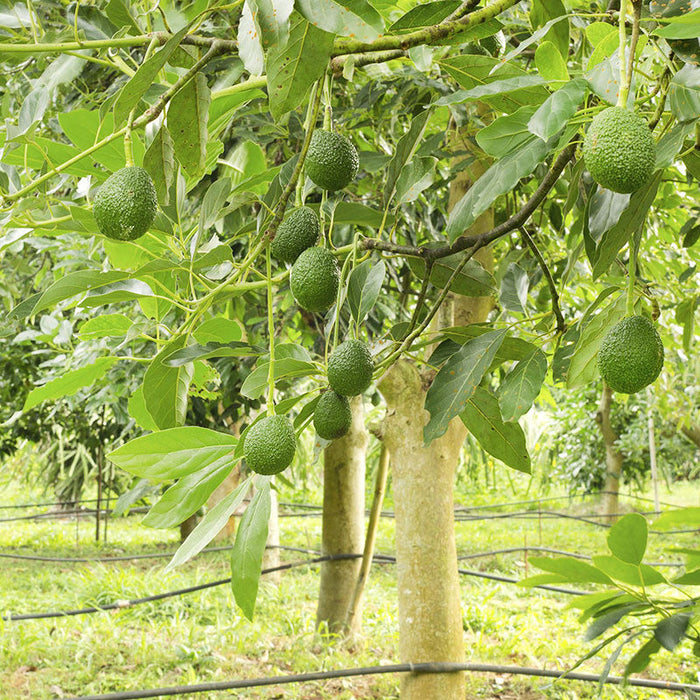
x,y
620,154
331,163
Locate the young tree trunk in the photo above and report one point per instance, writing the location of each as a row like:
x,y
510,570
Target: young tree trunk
x,y
186,527
343,522
613,456
430,618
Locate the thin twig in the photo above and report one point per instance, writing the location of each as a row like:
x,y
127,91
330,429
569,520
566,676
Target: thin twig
x,y
561,323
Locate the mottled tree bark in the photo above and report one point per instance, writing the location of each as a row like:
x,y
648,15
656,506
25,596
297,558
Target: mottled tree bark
x,y
343,522
613,456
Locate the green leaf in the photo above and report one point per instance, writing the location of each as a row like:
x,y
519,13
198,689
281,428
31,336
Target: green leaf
x,y
187,496
522,385
685,26
500,178
358,214
690,578
159,161
604,211
627,538
120,15
105,326
671,143
583,368
69,383
554,113
472,280
425,15
272,19
165,388
138,411
571,570
634,575
504,441
543,11
507,133
416,177
191,353
144,77
684,93
405,149
551,64
174,453
642,657
457,380
218,330
294,68
630,220
187,124
364,286
471,71
605,622
124,290
248,549
255,383
249,46
511,348
670,631
683,518
351,18
209,526
514,287
497,87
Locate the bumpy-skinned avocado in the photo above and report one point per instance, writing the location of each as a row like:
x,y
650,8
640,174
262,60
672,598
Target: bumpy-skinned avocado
x,y
314,279
350,368
631,355
619,150
126,204
269,445
332,416
332,161
299,230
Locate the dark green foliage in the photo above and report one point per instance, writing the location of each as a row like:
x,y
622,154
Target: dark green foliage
x,y
270,445
619,150
631,355
332,416
125,206
314,279
299,230
332,161
350,368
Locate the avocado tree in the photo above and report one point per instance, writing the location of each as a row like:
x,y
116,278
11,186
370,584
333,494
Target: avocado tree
x,y
348,193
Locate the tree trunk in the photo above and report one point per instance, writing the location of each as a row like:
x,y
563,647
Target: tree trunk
x,y
613,456
186,527
343,522
430,619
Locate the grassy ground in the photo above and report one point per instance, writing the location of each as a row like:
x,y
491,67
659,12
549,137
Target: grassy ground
x,y
202,637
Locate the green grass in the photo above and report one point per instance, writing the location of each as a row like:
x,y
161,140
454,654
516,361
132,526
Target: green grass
x,y
203,637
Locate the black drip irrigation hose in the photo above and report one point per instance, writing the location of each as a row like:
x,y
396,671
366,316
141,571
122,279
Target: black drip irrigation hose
x,y
101,560
436,667
378,559
73,504
59,514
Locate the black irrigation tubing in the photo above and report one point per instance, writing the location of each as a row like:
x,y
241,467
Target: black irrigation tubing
x,y
379,558
47,505
434,667
59,514
87,560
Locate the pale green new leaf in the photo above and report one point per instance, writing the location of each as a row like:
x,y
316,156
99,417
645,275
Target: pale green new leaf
x,y
627,538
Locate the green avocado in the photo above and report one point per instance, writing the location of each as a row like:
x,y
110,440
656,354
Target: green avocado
x,y
631,355
332,416
299,230
269,445
314,279
619,150
126,204
332,161
350,368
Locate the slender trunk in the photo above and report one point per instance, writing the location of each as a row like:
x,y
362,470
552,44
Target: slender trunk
x,y
187,526
430,618
343,522
613,456
370,537
652,450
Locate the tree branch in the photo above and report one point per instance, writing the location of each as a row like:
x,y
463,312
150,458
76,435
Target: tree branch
x,y
464,242
429,35
556,309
